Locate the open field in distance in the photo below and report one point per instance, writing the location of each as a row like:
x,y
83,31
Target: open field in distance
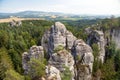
x,y
6,20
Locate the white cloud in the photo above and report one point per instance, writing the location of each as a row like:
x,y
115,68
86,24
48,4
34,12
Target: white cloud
x,y
85,6
68,6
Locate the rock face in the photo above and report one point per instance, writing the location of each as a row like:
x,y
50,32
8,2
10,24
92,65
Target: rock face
x,y
15,23
52,73
62,59
57,35
115,35
56,41
98,37
35,52
84,59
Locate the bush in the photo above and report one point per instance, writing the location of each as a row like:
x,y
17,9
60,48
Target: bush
x,y
58,48
66,75
95,50
5,63
37,68
12,75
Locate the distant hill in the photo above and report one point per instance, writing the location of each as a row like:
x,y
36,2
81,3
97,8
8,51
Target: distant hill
x,y
50,15
32,14
6,20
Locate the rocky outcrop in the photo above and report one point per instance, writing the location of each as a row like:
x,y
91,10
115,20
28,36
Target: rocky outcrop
x,y
97,37
69,39
52,73
61,60
15,23
57,35
115,37
35,52
67,55
84,60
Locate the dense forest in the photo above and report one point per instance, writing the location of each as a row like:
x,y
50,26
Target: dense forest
x,y
14,40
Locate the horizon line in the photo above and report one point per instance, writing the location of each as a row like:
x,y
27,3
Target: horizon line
x,y
60,12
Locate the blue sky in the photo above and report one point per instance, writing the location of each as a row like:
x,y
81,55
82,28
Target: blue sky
x,y
66,6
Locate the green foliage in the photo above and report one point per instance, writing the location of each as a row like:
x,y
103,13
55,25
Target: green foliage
x,y
95,50
5,63
108,24
108,71
78,57
78,27
117,75
58,48
37,68
96,67
3,38
16,59
111,49
97,63
81,35
12,75
32,42
27,77
117,60
66,75
17,40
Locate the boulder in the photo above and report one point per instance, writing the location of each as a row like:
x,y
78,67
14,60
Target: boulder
x,y
52,73
98,37
15,23
83,59
61,60
55,36
35,52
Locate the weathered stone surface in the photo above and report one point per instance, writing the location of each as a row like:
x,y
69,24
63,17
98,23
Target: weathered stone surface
x,y
115,35
98,37
62,59
15,23
84,59
57,35
35,52
88,30
52,73
70,38
79,55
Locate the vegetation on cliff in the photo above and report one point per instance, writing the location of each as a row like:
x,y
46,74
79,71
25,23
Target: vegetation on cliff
x,y
17,39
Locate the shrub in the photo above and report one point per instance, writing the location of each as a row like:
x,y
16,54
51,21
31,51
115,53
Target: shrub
x,y
37,68
12,75
58,48
66,75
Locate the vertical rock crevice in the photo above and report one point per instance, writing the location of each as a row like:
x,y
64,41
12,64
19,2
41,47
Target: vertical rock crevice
x,y
77,62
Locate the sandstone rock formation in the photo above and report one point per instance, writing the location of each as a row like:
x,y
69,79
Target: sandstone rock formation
x,y
52,73
84,59
62,59
79,59
115,36
15,23
98,37
57,35
35,52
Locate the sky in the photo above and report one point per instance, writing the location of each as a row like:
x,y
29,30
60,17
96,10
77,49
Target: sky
x,y
98,7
